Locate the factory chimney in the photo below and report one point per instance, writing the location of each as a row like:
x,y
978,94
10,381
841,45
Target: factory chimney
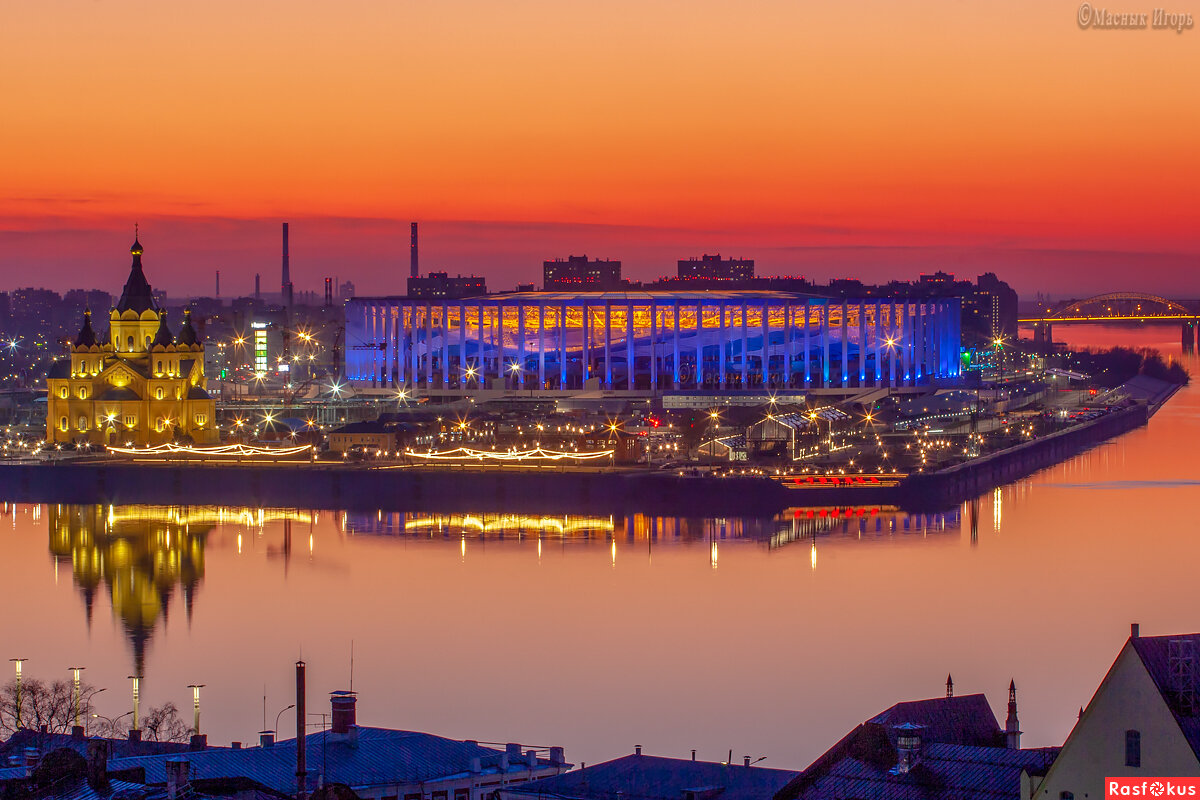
x,y
412,268
301,718
257,286
285,289
218,284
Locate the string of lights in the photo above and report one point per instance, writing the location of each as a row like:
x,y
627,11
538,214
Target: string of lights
x,y
536,454
221,451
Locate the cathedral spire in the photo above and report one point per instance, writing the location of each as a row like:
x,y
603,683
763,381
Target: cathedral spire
x,y
137,294
87,336
1012,727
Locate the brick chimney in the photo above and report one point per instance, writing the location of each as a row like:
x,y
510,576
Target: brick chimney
x,y
177,777
344,716
97,765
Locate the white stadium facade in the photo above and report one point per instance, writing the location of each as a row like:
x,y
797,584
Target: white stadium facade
x,y
648,343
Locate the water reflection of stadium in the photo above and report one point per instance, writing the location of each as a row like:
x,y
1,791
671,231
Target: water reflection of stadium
x,y
791,526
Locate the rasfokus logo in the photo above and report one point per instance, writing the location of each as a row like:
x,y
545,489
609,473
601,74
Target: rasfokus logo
x,y
1151,787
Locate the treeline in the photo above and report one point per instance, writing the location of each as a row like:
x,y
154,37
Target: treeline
x,y
1119,364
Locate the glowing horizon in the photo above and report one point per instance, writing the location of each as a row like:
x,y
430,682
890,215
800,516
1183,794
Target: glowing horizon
x,y
824,141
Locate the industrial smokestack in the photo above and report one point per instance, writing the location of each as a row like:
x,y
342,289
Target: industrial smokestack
x,y
301,717
257,286
218,284
412,269
285,289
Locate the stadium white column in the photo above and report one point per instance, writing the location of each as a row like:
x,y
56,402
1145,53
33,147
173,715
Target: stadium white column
x,y
480,369
585,347
862,344
878,350
541,345
844,333
608,345
428,345
445,345
562,346
766,343
462,344
653,345
521,344
825,344
745,346
675,320
721,344
807,344
630,355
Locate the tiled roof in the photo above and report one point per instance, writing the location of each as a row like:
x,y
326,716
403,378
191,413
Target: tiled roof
x,y
48,742
966,719
639,777
1160,654
943,772
379,757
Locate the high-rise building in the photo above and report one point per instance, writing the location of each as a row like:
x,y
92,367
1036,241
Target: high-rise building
x,y
715,268
577,273
441,286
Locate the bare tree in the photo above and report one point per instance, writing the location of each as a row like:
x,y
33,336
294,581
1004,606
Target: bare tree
x,y
51,705
164,724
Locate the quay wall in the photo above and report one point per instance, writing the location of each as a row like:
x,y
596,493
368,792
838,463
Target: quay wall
x,y
570,490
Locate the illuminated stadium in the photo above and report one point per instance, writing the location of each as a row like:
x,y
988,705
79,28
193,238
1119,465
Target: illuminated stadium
x,y
646,343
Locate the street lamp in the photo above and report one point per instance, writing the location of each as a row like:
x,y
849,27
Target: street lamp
x,y
196,687
17,662
112,721
137,683
75,693
280,714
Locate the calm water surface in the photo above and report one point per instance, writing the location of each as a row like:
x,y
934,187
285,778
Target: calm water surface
x,y
768,637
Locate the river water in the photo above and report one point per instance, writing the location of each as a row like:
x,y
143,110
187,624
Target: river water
x,y
767,637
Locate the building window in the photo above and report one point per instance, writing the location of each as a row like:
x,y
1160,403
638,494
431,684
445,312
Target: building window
x,y
62,424
159,367
201,419
82,423
462,794
130,420
129,343
158,393
82,393
158,424
63,393
1133,748
1066,796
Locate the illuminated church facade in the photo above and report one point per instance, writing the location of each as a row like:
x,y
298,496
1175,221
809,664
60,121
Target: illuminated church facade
x,y
138,385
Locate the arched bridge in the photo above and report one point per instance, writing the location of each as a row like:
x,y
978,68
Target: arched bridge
x,y
1119,307
1129,306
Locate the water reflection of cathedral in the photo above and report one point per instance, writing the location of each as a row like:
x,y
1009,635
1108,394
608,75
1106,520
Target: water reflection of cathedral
x,y
141,554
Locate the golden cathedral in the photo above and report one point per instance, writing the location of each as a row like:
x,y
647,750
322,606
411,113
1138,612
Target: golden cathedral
x,y
139,384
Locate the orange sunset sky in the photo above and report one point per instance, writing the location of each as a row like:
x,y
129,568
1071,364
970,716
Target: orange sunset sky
x,y
867,139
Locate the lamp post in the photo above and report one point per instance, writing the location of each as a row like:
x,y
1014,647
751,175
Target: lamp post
x,y
112,722
137,685
75,694
280,714
196,687
17,662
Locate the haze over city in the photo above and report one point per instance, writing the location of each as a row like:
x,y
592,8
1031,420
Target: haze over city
x,y
871,142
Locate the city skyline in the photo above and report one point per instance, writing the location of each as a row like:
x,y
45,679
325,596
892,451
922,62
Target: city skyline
x,y
822,142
